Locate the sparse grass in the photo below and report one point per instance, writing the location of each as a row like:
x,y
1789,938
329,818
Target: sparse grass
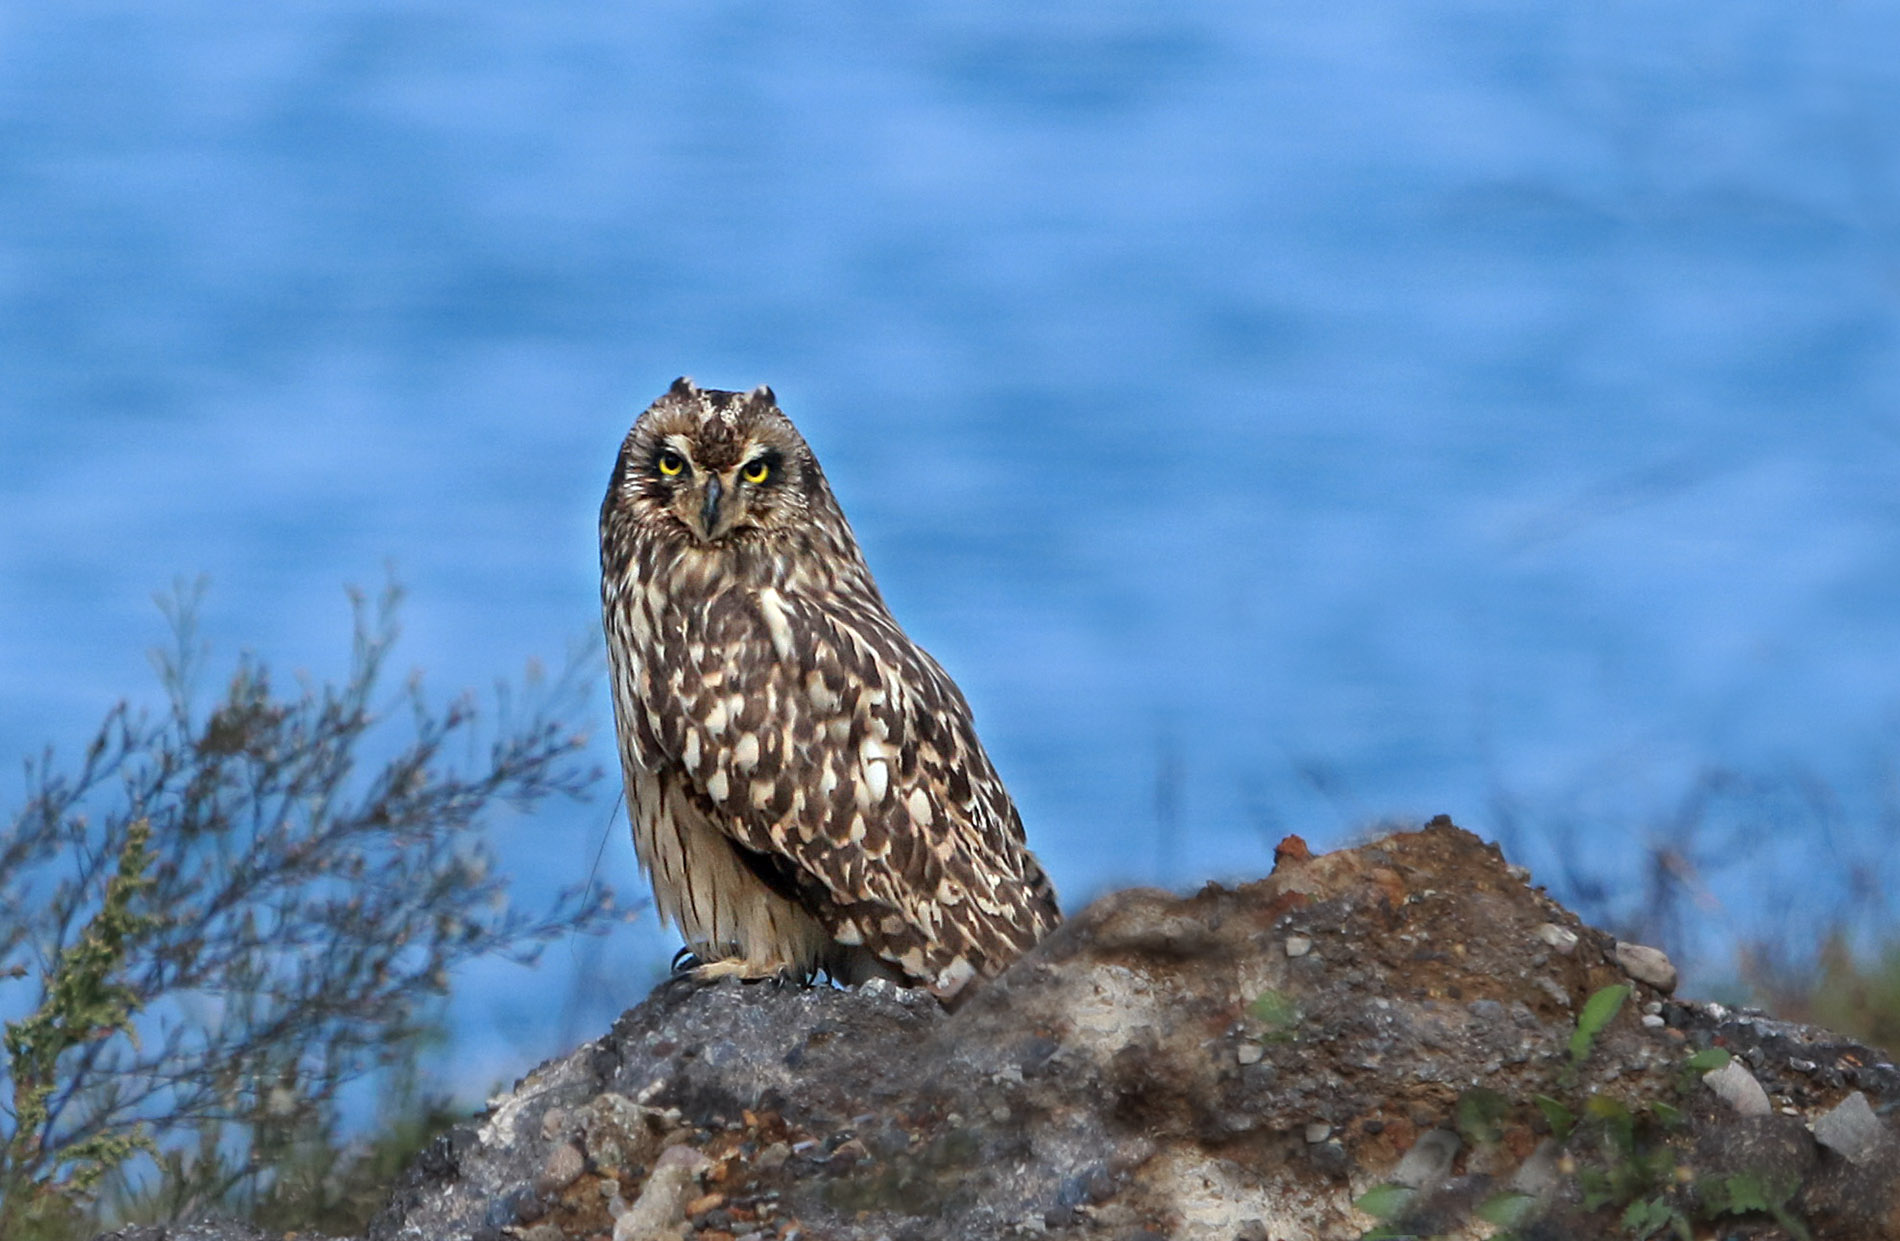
x,y
1851,993
1765,888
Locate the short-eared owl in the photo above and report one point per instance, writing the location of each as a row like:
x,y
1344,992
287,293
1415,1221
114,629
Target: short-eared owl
x,y
806,788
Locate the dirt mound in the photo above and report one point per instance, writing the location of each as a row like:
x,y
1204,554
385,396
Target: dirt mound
x,y
1403,1039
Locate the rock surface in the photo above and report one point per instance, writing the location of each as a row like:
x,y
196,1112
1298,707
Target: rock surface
x,y
1403,1035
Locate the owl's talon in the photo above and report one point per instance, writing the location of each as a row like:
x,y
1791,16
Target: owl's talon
x,y
685,963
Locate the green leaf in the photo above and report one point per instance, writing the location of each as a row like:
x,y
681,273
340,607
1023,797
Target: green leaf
x,y
1479,1113
1710,1059
1606,1107
1670,1116
1507,1209
1275,1010
1560,1118
1596,1187
1617,1121
1385,1201
1646,1216
1598,1011
1746,1193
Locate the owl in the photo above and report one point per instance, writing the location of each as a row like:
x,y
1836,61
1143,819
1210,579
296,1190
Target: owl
x,y
805,784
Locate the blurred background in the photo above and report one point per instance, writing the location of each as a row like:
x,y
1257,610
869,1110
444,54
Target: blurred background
x,y
1278,418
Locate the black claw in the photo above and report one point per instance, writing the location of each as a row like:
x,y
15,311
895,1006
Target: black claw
x,y
685,961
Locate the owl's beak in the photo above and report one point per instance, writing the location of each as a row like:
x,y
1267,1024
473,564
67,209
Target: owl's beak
x,y
709,508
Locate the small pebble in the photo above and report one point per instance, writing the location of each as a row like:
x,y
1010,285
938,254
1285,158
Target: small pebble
x,y
1739,1089
1429,1161
1331,1158
1563,939
1646,964
1318,1132
1654,1021
661,1206
1249,1053
564,1166
1298,945
1541,1173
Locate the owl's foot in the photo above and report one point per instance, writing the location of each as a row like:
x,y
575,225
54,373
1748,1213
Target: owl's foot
x,y
689,966
773,972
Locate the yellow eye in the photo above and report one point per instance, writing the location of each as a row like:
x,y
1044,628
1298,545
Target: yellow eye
x,y
671,464
757,471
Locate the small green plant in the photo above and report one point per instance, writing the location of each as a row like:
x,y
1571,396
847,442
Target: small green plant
x,y
1629,1160
1560,1118
1648,1216
1633,1161
1747,1193
1707,1060
45,1183
1598,1011
1640,1167
1278,1012
1480,1114
1387,1204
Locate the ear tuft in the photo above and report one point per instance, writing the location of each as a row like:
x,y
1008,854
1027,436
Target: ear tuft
x,y
763,393
683,386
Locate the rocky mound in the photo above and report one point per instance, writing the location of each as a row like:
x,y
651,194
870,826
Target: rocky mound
x,y
1403,1039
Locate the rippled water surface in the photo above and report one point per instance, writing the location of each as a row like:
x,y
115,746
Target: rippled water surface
x,y
1276,417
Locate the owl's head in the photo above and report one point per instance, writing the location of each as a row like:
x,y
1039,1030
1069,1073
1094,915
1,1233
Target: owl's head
x,y
715,467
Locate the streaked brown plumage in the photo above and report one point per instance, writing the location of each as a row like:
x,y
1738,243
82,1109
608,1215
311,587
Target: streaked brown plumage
x,y
805,784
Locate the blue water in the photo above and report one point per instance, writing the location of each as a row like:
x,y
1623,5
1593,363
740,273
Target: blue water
x,y
1278,418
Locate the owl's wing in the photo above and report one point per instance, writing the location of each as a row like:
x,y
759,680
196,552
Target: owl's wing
x,y
825,738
